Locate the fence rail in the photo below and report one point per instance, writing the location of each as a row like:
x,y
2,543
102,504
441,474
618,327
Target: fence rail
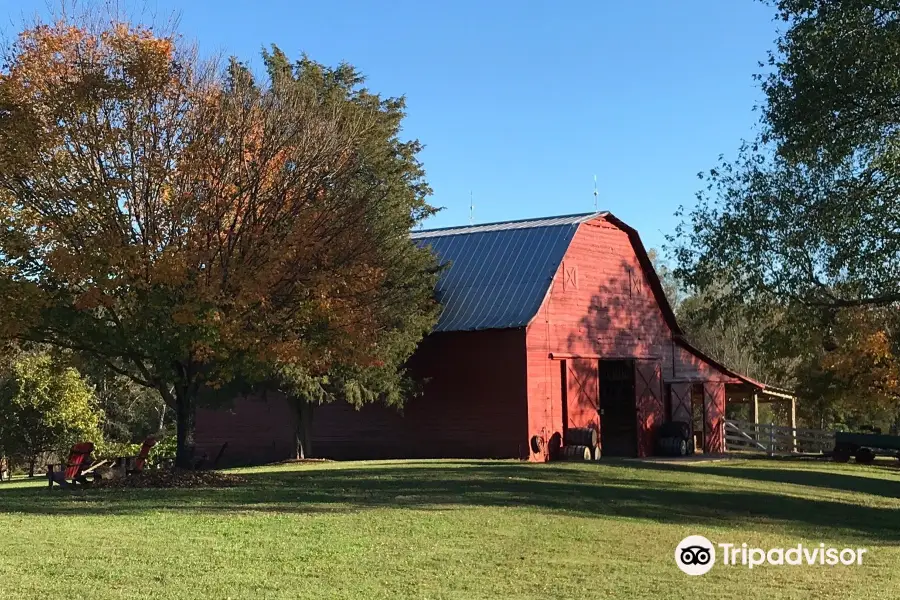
x,y
743,436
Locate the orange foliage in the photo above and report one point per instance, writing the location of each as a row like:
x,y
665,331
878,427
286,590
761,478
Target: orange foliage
x,y
149,194
866,357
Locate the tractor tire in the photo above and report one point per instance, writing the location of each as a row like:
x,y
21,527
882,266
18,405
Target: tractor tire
x,y
865,456
841,455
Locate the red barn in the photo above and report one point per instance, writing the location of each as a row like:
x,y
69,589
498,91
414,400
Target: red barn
x,y
546,324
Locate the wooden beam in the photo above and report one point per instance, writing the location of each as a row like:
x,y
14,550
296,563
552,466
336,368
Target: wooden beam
x,y
778,395
565,355
754,409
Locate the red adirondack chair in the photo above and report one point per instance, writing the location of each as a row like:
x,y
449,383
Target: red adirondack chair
x,y
141,459
73,471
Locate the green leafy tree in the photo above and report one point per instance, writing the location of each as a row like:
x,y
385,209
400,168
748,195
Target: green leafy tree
x,y
46,408
132,412
805,224
810,213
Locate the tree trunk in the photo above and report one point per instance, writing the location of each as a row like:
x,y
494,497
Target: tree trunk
x,y
304,412
185,414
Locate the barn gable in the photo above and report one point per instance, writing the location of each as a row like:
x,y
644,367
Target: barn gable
x,y
496,275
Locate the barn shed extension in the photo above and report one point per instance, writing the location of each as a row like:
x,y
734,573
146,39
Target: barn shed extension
x,y
546,325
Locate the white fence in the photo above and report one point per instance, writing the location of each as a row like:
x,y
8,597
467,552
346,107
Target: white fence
x,y
742,436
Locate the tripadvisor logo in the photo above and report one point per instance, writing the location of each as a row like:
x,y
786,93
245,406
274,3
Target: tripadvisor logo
x,y
696,555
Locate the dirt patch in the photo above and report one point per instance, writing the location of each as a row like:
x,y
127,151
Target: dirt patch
x,y
177,478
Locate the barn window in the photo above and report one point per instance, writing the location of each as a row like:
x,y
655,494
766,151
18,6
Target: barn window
x,y
570,277
636,282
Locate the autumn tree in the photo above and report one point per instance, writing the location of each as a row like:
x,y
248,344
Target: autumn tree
x,y
187,225
857,383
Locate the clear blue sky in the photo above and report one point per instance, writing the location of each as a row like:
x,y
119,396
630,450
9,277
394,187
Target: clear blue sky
x,y
521,103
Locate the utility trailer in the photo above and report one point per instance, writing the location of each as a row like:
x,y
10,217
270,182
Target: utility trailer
x,y
864,446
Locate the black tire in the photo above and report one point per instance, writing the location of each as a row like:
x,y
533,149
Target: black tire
x,y
841,454
865,456
665,446
690,447
577,453
682,447
581,436
674,429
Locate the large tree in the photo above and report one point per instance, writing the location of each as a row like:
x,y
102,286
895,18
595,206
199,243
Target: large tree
x,y
806,222
810,212
187,225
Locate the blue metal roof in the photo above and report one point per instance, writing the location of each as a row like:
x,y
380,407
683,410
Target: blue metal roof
x,y
498,273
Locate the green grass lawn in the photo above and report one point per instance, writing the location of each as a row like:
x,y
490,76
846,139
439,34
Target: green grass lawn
x,y
455,529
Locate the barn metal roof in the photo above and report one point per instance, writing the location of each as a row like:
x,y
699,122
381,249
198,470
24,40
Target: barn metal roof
x,y
498,273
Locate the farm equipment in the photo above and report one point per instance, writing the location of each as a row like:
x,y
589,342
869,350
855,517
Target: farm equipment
x,y
864,446
674,439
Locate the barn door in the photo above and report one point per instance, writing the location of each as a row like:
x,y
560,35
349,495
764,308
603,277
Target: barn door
x,y
618,425
680,401
714,416
582,394
649,403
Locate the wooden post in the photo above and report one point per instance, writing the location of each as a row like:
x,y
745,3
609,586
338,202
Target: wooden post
x,y
794,423
771,440
754,415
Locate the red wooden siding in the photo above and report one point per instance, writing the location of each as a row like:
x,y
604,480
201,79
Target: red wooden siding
x,y
473,405
599,305
648,395
714,415
689,366
581,394
257,430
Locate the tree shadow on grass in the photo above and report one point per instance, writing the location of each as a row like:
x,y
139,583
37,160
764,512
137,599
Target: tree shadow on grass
x,y
888,488
447,486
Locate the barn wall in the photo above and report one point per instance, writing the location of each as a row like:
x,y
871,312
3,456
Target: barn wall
x,y
600,304
257,430
650,412
473,405
689,366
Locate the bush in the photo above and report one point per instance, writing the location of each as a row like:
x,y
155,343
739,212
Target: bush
x,y
163,451
46,408
116,449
